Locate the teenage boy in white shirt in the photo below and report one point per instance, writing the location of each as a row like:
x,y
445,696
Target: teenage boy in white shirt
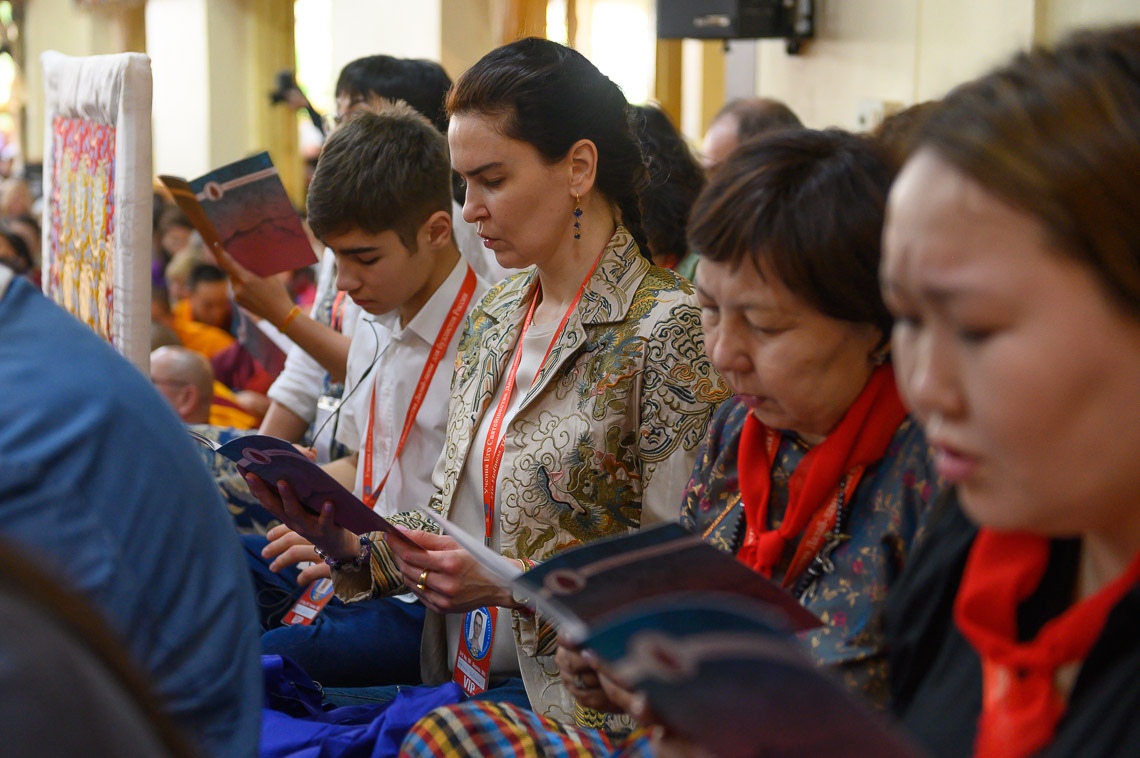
x,y
380,200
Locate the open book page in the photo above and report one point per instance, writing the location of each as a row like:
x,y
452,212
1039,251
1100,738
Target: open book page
x,y
202,439
274,460
243,207
721,671
579,588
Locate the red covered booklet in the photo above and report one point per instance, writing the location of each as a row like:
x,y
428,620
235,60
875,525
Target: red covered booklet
x,y
243,208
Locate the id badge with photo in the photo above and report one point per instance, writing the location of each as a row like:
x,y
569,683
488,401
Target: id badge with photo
x,y
473,658
312,601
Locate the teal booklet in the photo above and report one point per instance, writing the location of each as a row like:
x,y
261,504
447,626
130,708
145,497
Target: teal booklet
x,y
712,645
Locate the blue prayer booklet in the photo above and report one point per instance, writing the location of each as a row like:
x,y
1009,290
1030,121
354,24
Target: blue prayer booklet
x,y
710,643
721,672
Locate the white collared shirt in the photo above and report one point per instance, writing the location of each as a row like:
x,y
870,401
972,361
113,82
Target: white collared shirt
x,y
397,357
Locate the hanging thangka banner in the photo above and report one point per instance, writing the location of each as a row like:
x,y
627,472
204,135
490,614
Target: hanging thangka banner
x,y
98,194
81,233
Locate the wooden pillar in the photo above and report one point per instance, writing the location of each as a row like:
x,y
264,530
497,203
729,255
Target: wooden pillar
x,y
572,23
129,29
712,63
272,48
667,78
524,18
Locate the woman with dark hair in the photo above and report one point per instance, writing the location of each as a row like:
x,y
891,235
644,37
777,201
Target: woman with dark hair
x,y
675,180
813,474
1013,267
581,389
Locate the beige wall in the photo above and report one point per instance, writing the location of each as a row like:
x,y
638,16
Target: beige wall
x,y
906,51
467,34
209,101
58,25
402,28
1057,17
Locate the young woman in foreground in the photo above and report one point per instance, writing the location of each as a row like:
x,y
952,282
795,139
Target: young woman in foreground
x,y
1012,265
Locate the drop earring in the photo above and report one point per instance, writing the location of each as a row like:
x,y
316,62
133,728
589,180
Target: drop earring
x,y
577,217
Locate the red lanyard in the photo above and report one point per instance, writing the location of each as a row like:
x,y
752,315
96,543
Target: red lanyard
x,y
438,350
821,523
492,452
336,313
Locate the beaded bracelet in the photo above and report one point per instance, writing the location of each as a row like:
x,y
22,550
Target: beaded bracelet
x,y
294,312
351,565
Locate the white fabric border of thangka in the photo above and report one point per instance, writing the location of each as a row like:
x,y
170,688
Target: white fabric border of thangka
x,y
114,90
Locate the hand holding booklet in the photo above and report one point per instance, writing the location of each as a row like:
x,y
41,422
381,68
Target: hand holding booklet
x,y
274,459
709,642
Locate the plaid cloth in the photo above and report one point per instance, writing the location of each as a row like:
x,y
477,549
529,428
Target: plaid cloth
x,y
498,729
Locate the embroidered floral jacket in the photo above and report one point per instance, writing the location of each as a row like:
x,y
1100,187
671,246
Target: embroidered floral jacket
x,y
603,442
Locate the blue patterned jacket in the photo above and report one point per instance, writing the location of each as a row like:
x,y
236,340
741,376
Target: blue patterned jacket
x,y
886,520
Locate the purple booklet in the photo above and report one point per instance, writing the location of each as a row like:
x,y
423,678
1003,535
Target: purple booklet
x,y
274,459
243,208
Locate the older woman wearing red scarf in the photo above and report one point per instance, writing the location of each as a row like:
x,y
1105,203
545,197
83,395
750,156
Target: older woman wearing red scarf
x,y
813,474
1012,261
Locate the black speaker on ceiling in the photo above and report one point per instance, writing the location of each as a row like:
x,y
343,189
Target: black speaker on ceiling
x,y
734,19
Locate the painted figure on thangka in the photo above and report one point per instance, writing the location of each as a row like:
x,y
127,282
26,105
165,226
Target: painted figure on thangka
x,y
82,225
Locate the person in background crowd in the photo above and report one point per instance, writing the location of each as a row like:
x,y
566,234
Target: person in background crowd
x,y
897,131
675,180
185,379
14,251
15,198
741,120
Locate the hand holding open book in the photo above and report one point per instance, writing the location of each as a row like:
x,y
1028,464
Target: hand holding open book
x,y
275,460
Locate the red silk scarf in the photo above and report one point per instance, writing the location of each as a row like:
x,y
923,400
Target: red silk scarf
x,y
1020,702
860,439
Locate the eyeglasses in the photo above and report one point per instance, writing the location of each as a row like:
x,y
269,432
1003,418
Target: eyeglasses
x,y
355,107
334,121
